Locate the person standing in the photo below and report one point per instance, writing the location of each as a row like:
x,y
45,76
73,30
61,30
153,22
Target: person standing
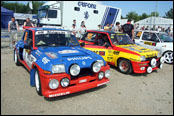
x,y
106,28
117,27
74,22
73,29
13,27
129,29
28,23
82,30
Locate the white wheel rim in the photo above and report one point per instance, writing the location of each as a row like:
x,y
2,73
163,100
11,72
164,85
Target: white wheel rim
x,y
168,56
124,66
15,57
37,80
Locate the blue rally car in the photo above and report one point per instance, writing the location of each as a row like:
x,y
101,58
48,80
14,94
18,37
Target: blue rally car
x,y
57,64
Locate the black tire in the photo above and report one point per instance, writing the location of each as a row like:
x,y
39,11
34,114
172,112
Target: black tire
x,y
124,66
16,60
37,82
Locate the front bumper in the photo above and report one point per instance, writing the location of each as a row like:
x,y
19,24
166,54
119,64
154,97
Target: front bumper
x,y
141,67
76,85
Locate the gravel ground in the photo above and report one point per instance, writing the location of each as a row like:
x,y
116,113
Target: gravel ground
x,y
125,94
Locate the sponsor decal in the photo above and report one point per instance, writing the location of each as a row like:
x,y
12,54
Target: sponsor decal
x,y
59,94
150,55
116,52
79,58
38,52
83,62
51,55
88,5
68,51
45,60
103,83
51,32
150,43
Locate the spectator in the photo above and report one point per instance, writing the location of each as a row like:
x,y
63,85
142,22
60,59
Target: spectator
x,y
142,28
137,27
73,29
147,28
13,27
117,27
28,23
82,30
168,31
74,22
111,27
106,28
99,27
82,23
129,29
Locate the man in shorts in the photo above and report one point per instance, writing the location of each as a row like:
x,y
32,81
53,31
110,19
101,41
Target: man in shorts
x,y
13,27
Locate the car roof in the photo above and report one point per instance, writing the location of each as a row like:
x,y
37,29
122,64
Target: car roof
x,y
45,28
104,31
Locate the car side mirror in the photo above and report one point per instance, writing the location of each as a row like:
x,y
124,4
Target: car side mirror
x,y
26,46
82,44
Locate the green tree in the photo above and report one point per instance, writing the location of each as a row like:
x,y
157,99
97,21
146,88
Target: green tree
x,y
153,14
169,14
143,16
132,15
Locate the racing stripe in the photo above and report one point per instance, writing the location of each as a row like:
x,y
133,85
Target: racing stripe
x,y
115,16
104,18
110,18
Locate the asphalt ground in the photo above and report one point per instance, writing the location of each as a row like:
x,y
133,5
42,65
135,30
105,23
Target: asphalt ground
x,y
133,94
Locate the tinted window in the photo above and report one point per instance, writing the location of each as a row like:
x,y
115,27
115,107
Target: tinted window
x,y
76,8
52,13
95,11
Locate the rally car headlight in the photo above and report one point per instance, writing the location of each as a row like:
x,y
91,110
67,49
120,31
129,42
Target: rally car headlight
x,y
142,58
162,60
153,62
107,73
96,67
64,82
101,62
74,70
54,84
58,68
100,75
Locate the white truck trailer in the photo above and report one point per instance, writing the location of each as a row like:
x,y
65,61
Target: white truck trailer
x,y
62,13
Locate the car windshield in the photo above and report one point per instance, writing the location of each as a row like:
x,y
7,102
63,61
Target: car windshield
x,y
164,37
54,39
120,39
42,13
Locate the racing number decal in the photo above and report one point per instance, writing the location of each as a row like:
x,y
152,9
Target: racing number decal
x,y
101,53
150,43
28,57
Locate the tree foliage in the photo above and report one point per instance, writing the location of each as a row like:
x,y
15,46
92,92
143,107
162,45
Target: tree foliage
x,y
22,8
169,14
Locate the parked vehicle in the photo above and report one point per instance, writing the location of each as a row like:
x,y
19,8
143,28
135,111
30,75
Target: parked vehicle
x,y
57,64
62,13
160,41
119,50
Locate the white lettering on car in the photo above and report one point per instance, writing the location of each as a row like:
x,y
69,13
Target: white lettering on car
x,y
45,60
68,51
79,58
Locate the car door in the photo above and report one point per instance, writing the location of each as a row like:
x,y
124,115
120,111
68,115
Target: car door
x,y
150,40
91,43
27,53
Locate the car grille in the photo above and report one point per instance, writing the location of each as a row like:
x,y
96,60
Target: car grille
x,y
83,72
149,59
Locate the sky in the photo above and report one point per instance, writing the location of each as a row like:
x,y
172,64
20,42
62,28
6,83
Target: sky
x,y
137,6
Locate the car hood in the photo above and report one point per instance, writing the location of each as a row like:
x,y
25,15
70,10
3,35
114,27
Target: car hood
x,y
66,55
140,50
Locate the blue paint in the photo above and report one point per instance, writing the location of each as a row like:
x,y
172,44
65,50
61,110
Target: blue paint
x,y
32,80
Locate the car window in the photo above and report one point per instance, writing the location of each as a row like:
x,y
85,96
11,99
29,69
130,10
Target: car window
x,y
89,37
29,40
164,37
138,34
150,37
102,39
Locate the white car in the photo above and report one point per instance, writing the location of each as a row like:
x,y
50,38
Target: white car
x,y
160,41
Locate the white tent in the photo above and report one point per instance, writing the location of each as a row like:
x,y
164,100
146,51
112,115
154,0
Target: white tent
x,y
157,21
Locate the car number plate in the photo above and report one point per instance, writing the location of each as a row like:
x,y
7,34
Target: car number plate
x,y
82,81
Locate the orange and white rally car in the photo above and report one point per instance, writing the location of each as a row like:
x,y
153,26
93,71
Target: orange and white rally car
x,y
119,50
